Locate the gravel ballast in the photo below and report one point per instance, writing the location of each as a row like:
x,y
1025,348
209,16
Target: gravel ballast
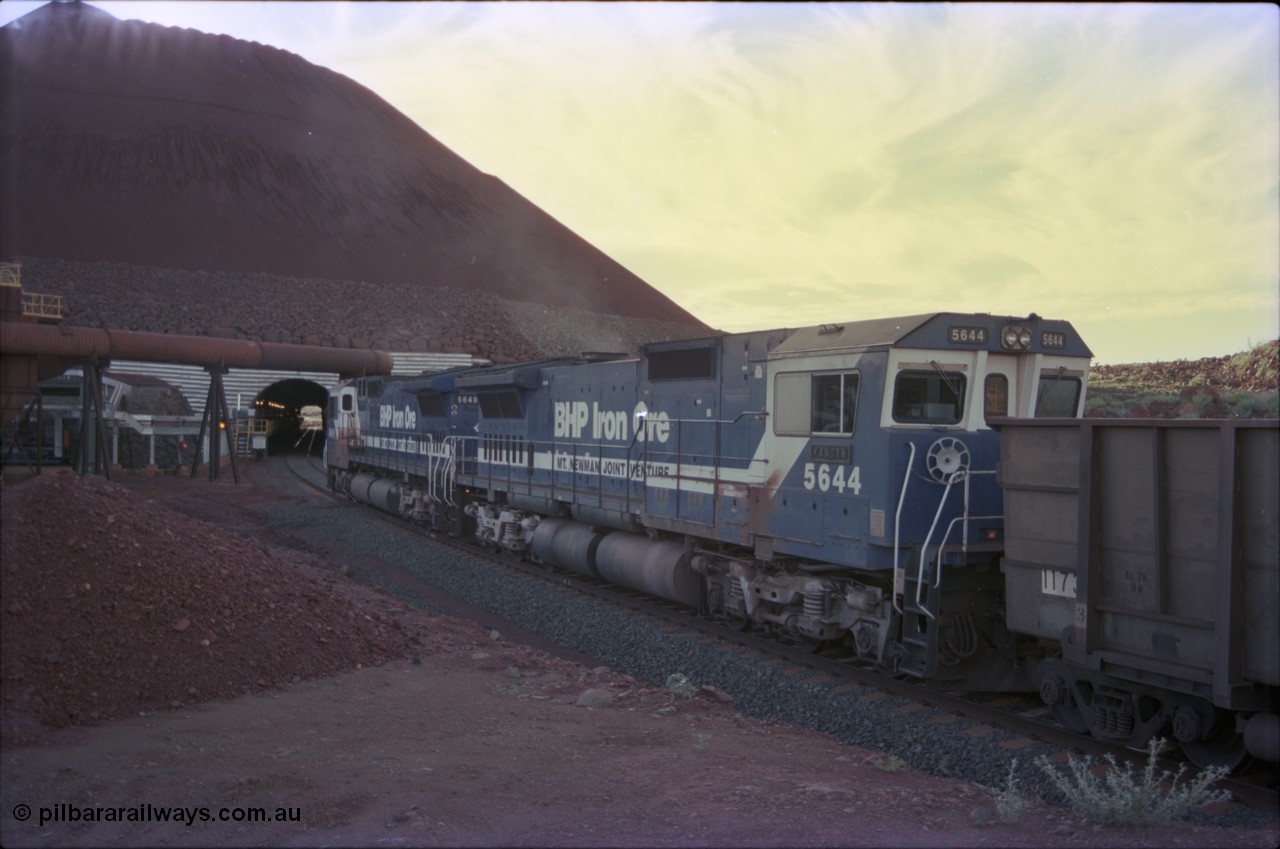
x,y
648,648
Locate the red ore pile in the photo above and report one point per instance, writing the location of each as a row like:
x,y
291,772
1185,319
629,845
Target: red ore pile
x,y
111,606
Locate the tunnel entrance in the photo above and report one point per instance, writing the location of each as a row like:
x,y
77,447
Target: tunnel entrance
x,y
296,411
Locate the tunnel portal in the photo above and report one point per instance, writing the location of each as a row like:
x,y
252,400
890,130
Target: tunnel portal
x,y
286,403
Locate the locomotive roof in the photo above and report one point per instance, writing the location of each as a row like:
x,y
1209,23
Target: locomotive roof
x,y
527,374
927,330
869,333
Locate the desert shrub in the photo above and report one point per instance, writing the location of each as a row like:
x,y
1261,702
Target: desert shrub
x,y
1126,797
1009,802
1244,405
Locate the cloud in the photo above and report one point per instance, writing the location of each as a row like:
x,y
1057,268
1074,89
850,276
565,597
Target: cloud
x,y
779,164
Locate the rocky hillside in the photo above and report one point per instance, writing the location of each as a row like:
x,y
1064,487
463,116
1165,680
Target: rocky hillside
x,y
331,313
159,147
1244,385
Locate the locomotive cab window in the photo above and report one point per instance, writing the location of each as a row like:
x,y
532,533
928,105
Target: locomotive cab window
x,y
806,404
997,396
928,397
834,401
1057,396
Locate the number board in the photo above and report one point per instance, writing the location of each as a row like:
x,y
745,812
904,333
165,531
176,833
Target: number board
x,y
967,335
1049,339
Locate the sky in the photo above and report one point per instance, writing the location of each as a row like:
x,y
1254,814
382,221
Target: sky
x,y
768,165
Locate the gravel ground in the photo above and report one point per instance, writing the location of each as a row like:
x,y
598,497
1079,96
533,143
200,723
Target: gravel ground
x,y
641,646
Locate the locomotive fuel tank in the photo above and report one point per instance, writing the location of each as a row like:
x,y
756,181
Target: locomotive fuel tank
x,y
382,493
657,567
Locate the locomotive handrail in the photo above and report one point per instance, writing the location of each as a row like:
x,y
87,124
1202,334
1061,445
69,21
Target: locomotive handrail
x,y
431,469
457,455
442,468
449,469
924,548
900,574
964,518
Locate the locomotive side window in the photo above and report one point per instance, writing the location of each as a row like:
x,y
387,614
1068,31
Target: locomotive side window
x,y
431,403
500,405
683,364
928,397
1058,396
997,396
835,400
348,402
805,404
791,404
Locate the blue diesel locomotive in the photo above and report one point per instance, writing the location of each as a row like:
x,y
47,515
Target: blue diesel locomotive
x,y
829,483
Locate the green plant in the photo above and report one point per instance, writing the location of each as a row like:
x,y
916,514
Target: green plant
x,y
1009,802
1245,405
1201,399
679,683
892,763
1125,797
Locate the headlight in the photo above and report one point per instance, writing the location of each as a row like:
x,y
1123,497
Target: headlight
x,y
1016,338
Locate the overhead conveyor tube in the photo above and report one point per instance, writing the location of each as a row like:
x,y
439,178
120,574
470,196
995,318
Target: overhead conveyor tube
x,y
80,342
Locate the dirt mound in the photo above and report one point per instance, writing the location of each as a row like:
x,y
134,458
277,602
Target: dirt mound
x,y
112,605
203,152
1244,385
1255,370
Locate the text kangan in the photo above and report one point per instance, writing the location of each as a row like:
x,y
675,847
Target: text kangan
x,y
574,419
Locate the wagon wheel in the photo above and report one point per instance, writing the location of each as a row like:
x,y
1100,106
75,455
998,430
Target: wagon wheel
x,y
1225,749
1063,704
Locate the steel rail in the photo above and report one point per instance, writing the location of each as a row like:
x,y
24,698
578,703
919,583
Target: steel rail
x,y
1038,724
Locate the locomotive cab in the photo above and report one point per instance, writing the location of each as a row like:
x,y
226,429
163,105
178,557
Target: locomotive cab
x,y
883,483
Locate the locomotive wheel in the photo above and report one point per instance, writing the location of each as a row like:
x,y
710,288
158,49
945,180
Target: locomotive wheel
x,y
1225,749
803,643
1070,716
736,621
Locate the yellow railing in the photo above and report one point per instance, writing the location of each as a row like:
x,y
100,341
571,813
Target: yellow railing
x,y
37,304
41,305
255,425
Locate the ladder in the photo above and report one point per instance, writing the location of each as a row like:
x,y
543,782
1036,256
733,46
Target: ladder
x,y
920,626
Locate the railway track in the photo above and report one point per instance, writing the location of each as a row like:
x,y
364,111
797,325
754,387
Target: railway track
x,y
1025,718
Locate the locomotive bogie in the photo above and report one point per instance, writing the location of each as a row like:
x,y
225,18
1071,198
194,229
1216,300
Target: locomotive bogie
x,y
502,529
